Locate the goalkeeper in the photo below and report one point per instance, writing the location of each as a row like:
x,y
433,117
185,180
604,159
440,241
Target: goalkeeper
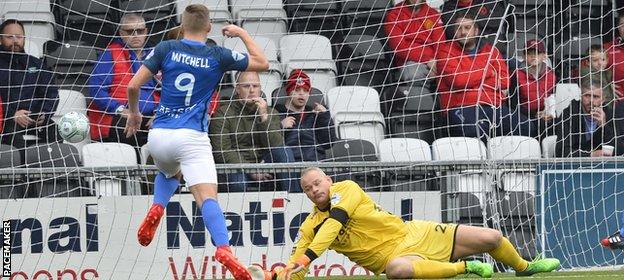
x,y
347,220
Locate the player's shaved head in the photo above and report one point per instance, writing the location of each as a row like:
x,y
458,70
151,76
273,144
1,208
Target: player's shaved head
x,y
196,18
314,168
315,184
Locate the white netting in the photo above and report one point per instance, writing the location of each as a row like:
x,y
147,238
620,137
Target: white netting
x,y
393,130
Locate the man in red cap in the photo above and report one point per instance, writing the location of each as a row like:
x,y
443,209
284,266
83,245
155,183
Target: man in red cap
x,y
309,129
535,82
615,51
414,30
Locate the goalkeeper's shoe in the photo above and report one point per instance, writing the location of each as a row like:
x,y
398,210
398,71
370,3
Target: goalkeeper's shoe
x,y
613,241
257,273
226,258
484,270
539,265
148,227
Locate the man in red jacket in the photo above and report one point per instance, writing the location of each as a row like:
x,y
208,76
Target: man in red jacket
x,y
414,30
615,51
472,83
109,80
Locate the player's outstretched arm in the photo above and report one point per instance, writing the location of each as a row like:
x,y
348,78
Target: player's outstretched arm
x,y
257,59
134,119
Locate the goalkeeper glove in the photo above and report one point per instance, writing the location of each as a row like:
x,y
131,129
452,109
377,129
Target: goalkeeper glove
x,y
300,264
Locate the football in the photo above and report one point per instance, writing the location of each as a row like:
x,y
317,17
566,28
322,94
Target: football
x,y
73,127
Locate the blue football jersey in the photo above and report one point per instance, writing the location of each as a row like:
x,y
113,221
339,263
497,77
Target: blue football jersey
x,y
190,73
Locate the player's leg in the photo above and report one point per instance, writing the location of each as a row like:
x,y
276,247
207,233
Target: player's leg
x,y
471,240
409,267
199,171
165,184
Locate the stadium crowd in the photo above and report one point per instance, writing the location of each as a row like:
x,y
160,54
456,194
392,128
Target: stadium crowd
x,y
479,92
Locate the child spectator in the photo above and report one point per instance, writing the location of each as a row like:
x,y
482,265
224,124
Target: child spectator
x,y
596,69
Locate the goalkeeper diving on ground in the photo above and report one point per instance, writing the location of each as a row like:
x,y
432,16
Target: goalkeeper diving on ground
x,y
346,220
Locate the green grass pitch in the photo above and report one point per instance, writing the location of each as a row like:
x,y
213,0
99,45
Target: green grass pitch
x,y
573,275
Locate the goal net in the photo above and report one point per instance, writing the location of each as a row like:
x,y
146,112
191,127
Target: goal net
x,y
471,112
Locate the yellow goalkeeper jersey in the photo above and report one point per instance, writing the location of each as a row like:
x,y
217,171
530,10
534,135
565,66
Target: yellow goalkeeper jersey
x,y
354,226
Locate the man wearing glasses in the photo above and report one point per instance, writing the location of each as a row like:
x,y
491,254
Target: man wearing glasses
x,y
247,130
27,91
110,77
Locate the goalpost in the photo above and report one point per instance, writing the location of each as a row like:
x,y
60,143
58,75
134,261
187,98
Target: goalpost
x,y
73,210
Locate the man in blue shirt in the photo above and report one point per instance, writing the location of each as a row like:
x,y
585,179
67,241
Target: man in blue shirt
x,y
108,82
178,141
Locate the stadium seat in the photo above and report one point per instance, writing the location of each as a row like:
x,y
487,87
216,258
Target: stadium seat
x,y
362,62
465,191
548,146
157,14
297,49
269,80
314,17
88,21
354,150
364,17
111,155
13,188
356,113
53,155
261,17
271,29
316,96
33,49
72,62
267,45
69,101
405,150
515,148
564,94
590,17
410,110
312,53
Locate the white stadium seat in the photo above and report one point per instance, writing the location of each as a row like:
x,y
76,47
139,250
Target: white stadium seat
x,y
548,146
404,149
111,155
463,148
515,148
356,113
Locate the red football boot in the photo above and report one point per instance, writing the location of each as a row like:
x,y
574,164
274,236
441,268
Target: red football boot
x,y
225,257
148,227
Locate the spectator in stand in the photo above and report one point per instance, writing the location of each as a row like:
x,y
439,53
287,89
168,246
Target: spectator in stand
x,y
309,131
472,83
596,69
586,126
615,53
109,80
534,83
246,130
414,30
27,90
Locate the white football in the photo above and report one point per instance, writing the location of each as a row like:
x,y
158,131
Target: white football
x,y
73,127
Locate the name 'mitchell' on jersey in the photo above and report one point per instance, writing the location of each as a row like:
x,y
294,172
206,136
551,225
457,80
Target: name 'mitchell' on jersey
x,y
190,73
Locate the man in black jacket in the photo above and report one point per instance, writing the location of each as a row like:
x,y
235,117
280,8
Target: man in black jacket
x,y
586,126
27,89
308,131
